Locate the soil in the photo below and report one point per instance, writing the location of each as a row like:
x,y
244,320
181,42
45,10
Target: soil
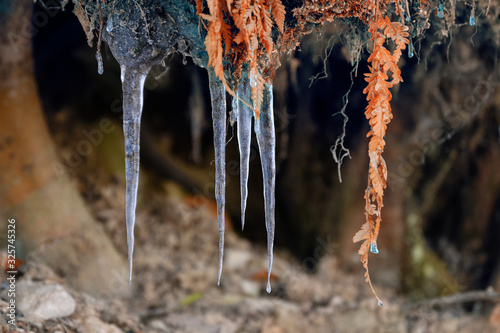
x,y
175,289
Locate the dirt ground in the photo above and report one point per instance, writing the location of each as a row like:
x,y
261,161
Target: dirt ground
x,y
175,290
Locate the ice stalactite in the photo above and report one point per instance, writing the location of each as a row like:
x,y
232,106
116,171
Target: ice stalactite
x,y
139,39
411,48
132,85
264,130
244,118
218,96
100,67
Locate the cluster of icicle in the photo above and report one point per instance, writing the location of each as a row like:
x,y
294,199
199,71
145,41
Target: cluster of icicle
x,y
133,84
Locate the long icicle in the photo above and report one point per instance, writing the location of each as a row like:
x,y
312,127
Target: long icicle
x,y
132,85
264,130
244,140
218,96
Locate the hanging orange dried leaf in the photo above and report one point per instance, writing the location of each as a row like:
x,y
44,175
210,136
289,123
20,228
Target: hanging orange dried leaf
x,y
379,114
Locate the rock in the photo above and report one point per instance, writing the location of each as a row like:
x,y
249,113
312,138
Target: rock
x,y
44,302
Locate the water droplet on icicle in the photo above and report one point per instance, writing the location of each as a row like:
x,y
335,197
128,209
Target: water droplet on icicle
x,y
132,86
411,51
374,248
100,66
472,19
244,114
264,129
440,12
218,95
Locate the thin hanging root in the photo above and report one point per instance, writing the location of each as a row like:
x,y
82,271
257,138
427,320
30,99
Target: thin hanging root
x,y
132,85
264,129
244,140
98,56
218,95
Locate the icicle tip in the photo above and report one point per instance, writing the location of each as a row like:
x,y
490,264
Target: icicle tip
x,y
268,288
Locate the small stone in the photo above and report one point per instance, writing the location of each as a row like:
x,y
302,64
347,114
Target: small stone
x,y
250,288
189,323
158,325
45,302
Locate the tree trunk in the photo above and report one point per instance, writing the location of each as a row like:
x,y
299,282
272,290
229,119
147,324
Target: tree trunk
x,y
52,221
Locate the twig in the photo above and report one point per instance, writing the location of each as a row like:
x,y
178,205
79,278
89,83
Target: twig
x,y
470,296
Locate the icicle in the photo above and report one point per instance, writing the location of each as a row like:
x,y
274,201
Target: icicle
x,y
410,49
218,95
244,140
440,12
132,85
264,129
100,67
373,248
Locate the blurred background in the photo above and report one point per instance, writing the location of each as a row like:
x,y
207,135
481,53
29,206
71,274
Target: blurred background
x,y
62,173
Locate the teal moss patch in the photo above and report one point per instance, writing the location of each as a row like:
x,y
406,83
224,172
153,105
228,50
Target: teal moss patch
x,y
5,6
